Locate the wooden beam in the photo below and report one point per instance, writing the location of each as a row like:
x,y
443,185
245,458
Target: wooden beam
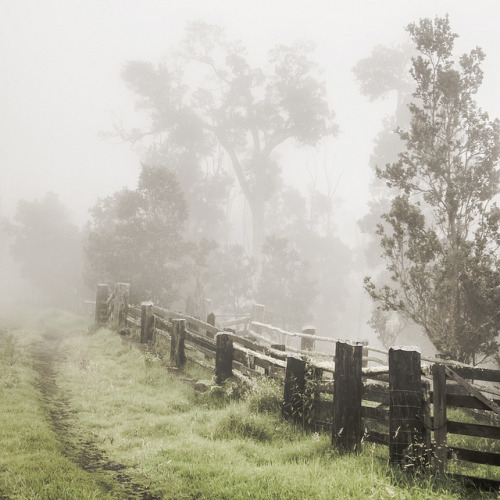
x,y
472,390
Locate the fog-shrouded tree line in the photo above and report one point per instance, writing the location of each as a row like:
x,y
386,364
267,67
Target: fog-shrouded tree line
x,y
213,127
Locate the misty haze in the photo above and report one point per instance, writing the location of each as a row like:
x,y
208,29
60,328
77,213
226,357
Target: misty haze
x,y
310,190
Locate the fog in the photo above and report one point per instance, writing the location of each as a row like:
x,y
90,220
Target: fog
x,y
61,94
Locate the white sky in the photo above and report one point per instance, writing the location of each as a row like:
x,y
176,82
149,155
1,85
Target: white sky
x,y
60,82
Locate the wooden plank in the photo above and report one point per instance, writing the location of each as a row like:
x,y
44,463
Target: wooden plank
x,y
197,339
477,457
376,437
276,351
162,333
260,356
462,401
249,344
479,430
133,322
484,374
166,314
162,324
245,370
134,311
380,414
376,392
198,348
472,390
376,371
240,357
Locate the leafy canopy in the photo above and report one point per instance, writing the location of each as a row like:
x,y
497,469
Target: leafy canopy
x,y
441,235
136,237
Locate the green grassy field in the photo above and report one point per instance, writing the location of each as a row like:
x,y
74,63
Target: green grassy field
x,y
88,415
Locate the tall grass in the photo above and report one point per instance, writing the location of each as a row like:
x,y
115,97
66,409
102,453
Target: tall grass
x,y
32,459
223,443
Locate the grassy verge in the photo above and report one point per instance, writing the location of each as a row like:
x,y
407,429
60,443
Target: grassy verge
x,y
32,460
220,444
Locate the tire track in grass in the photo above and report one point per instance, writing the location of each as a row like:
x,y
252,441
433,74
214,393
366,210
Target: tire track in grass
x,y
82,450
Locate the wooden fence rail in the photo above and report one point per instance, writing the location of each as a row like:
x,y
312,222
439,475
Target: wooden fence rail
x,y
395,403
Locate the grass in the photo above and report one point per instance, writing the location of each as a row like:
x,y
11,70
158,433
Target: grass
x,y
32,462
225,443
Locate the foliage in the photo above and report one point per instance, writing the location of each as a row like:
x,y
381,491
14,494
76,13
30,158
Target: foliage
x,y
48,247
387,325
136,237
230,278
307,228
441,233
285,286
245,112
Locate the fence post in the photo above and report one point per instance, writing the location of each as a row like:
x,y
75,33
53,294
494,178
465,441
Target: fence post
x,y
257,314
365,353
440,425
307,344
147,322
223,357
406,446
293,394
177,342
120,305
210,321
101,306
347,430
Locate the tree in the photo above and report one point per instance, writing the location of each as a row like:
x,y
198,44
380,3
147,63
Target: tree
x,y
246,111
136,237
285,286
441,234
48,247
230,279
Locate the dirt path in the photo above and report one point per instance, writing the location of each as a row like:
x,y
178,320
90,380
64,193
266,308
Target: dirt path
x,y
81,449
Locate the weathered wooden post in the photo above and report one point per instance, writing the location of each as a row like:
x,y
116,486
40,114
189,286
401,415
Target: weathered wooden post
x,y
293,394
223,357
101,304
120,305
365,353
177,354
147,322
406,446
307,344
347,430
440,422
257,314
210,321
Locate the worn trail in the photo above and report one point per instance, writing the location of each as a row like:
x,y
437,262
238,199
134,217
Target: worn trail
x,y
81,449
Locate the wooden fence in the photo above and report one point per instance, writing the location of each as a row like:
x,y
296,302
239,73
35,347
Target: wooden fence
x,y
401,403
